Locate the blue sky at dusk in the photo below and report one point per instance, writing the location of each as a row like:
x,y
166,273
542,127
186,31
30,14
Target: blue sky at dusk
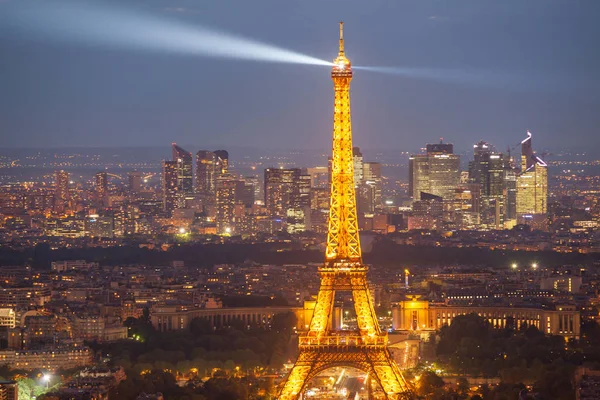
x,y
467,70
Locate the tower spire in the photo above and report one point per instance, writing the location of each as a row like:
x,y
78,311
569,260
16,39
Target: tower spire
x,y
341,53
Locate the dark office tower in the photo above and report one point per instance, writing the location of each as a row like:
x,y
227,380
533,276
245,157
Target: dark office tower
x,y
101,189
222,166
357,157
369,193
62,195
254,181
206,173
440,148
185,174
477,166
510,181
170,189
135,181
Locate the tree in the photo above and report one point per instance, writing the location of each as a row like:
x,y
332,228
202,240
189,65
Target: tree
x,y
462,386
200,326
429,383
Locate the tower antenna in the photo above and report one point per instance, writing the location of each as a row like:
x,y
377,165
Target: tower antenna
x,y
341,38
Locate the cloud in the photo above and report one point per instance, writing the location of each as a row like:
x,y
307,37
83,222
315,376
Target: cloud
x,y
179,10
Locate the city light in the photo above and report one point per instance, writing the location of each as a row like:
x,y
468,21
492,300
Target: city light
x,y
514,266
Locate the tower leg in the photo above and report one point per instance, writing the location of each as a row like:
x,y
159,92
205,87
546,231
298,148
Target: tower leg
x,y
387,373
322,313
363,305
292,390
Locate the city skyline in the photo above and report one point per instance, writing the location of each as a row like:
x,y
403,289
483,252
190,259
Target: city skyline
x,y
546,86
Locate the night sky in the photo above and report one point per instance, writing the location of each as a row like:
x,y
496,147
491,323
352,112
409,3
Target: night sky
x,y
493,70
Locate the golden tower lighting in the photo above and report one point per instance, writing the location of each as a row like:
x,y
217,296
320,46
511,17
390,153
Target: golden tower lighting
x,y
321,348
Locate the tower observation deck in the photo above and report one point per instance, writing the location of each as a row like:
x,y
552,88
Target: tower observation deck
x,y
321,347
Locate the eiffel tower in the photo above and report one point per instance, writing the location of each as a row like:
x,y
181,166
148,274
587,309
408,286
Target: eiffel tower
x,y
321,347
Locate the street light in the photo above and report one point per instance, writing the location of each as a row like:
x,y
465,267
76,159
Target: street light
x,y
534,265
46,379
514,266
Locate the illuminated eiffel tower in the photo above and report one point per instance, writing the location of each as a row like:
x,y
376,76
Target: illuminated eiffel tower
x,y
321,347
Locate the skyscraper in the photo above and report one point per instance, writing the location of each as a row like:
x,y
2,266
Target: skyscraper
x,y
62,196
206,173
437,172
372,176
170,188
101,188
287,196
135,181
233,198
222,166
225,205
357,157
532,185
185,174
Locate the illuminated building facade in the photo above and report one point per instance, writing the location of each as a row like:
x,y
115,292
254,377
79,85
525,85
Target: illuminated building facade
x,y
437,172
206,173
170,189
322,346
101,188
222,166
233,198
185,172
532,187
420,316
287,197
62,195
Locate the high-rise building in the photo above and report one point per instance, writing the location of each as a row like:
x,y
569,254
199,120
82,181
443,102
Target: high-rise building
x,y
357,157
287,196
222,166
101,188
254,181
135,182
437,172
62,195
206,173
532,185
494,175
9,390
369,189
481,149
185,174
225,205
170,189
319,177
233,198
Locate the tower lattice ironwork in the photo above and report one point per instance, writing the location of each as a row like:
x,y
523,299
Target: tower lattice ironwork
x,y
321,347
